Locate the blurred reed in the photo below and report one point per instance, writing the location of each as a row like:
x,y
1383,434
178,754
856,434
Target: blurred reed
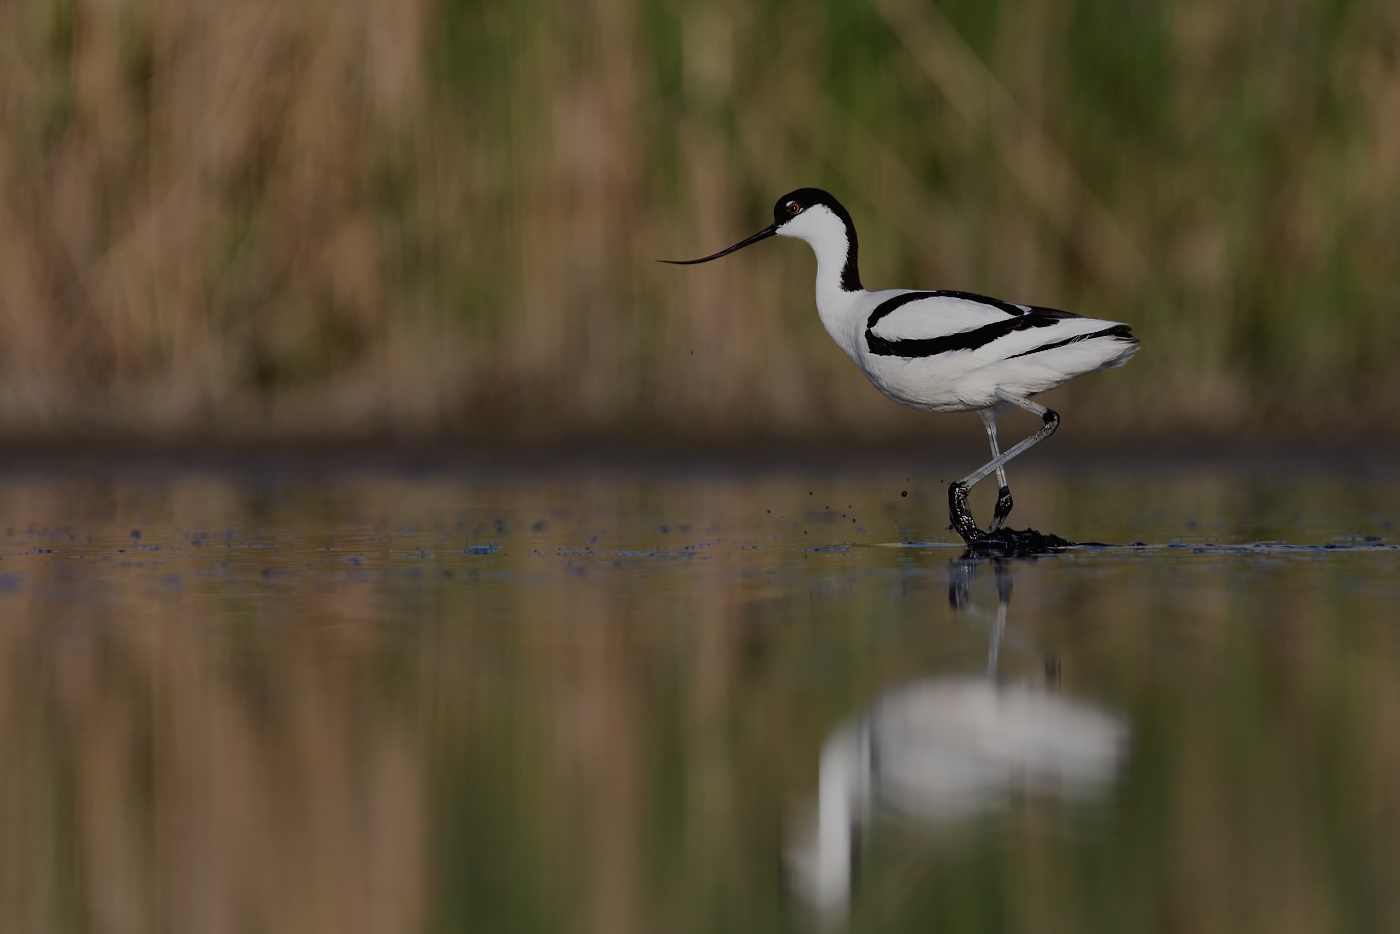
x,y
263,220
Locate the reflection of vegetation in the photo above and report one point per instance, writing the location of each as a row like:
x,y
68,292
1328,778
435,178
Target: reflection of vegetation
x,y
340,717
274,218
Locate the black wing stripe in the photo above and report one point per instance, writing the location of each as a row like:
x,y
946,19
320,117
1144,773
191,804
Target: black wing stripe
x,y
899,301
1019,319
1120,331
963,340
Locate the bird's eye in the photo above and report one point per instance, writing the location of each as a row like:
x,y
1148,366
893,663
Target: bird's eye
x,y
793,208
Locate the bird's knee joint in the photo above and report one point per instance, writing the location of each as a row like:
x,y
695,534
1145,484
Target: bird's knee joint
x,y
1051,418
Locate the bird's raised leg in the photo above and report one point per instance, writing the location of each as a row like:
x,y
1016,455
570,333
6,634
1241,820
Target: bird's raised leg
x,y
962,520
1003,507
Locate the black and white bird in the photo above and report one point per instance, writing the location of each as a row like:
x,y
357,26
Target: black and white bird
x,y
944,351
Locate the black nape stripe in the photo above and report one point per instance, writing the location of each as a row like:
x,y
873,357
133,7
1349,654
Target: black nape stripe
x,y
811,197
1120,331
850,272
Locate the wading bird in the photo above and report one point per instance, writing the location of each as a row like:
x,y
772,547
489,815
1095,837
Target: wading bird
x,y
945,351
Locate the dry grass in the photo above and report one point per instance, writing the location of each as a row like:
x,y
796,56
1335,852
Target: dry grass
x,y
265,220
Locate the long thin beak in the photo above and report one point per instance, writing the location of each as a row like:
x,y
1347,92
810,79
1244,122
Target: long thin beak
x,y
763,234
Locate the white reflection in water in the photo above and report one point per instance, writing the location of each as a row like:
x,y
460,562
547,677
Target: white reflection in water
x,y
940,750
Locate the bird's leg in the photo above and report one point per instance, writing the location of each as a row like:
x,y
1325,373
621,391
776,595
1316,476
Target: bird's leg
x,y
962,520
1003,508
1050,420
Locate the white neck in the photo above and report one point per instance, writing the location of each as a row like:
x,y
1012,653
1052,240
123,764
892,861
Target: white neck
x,y
834,242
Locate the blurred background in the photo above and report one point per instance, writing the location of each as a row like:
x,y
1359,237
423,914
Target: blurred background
x,y
350,692
418,219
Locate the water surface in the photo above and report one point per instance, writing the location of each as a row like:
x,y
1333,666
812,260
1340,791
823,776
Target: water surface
x,y
681,698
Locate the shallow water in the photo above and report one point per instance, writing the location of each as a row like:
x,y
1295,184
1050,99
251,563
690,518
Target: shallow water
x,y
680,698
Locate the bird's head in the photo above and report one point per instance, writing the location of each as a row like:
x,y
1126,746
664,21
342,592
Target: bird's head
x,y
808,213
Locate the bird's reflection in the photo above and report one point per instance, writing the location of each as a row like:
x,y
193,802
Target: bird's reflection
x,y
940,750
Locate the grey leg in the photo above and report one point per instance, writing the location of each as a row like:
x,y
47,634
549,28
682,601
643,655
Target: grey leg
x,y
1003,508
962,520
